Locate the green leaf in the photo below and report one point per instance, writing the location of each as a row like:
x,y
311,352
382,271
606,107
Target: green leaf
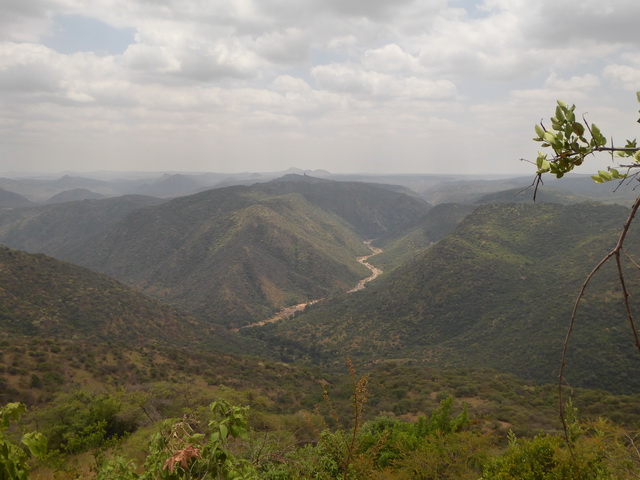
x,y
543,164
36,443
224,431
578,129
549,137
598,138
539,131
606,176
12,412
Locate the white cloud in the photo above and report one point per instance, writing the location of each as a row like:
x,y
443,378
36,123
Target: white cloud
x,y
583,83
343,81
625,75
391,58
290,46
150,59
25,20
352,80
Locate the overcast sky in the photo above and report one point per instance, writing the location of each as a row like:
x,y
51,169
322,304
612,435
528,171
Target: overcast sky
x,y
393,86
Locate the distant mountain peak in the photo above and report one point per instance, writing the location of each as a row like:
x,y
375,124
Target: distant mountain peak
x,y
295,177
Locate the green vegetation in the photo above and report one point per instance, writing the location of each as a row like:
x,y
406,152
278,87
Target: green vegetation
x,y
108,436
124,387
13,459
58,230
231,256
546,195
43,296
237,255
503,282
437,224
572,141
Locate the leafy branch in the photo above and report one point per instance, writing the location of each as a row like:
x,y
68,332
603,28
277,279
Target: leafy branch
x,y
572,141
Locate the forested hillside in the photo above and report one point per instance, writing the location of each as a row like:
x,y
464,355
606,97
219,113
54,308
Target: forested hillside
x,y
44,297
236,255
61,228
496,292
470,296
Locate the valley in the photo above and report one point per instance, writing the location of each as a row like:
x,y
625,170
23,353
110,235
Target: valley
x,y
290,311
375,271
273,294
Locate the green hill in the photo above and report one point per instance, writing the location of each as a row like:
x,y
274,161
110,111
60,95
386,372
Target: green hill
x,y
9,199
497,292
75,194
373,210
59,228
231,255
437,224
545,194
44,297
237,255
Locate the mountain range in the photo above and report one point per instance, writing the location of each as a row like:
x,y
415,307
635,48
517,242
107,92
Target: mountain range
x,y
232,255
484,284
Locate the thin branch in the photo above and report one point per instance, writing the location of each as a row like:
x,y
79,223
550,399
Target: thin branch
x,y
633,444
627,305
565,347
633,262
623,235
616,149
537,182
620,465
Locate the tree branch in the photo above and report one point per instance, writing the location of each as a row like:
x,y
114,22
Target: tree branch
x,y
565,347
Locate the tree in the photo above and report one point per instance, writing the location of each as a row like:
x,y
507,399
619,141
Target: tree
x,y
572,141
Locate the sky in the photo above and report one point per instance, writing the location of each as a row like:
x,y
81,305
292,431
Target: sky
x,y
348,86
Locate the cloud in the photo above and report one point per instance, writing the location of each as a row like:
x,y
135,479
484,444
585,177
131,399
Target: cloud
x,y
554,24
583,83
376,9
624,75
344,81
27,68
211,61
391,58
289,46
25,20
150,59
359,82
